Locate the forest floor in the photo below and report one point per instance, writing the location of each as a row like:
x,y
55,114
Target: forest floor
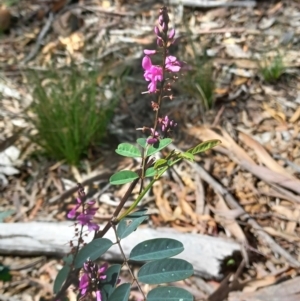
x,y
246,54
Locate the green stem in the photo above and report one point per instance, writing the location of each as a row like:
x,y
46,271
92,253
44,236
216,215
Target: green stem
x,y
147,188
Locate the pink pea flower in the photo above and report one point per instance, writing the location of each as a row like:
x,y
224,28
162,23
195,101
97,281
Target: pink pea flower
x,y
84,284
152,73
72,212
85,220
172,64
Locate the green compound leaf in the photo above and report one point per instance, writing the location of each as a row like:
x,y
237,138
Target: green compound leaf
x,y
142,142
204,146
159,146
150,172
138,213
121,293
187,156
128,150
60,278
108,285
157,248
160,163
63,273
165,270
169,293
129,224
92,251
123,177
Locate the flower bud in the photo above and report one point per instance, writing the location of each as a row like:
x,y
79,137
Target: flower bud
x,y
172,34
159,42
160,19
149,51
165,27
157,31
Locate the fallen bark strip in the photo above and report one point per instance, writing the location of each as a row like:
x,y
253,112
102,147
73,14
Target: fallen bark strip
x,y
284,291
213,3
41,238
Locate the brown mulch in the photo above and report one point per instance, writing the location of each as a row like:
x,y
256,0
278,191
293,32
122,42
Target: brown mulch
x,y
257,164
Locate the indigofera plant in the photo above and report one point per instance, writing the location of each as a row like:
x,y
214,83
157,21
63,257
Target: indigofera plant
x,y
100,282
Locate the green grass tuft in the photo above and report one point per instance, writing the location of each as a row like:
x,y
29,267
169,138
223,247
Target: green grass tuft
x,y
71,112
271,70
199,81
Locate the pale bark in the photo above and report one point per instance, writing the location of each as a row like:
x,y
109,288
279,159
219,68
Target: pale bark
x,y
38,238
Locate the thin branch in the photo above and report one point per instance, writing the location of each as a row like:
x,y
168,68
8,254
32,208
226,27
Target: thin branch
x,y
126,262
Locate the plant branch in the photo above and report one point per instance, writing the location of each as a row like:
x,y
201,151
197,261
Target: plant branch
x,y
126,262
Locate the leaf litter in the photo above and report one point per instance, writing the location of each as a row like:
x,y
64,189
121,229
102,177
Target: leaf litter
x,y
257,165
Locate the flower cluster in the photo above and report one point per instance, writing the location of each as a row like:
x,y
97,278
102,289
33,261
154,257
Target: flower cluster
x,y
87,213
166,126
90,280
155,73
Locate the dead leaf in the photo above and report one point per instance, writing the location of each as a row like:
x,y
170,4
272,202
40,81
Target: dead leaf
x,y
162,203
240,81
187,209
235,51
284,235
254,285
263,155
223,214
295,116
73,43
266,23
272,176
291,214
50,47
279,116
57,5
